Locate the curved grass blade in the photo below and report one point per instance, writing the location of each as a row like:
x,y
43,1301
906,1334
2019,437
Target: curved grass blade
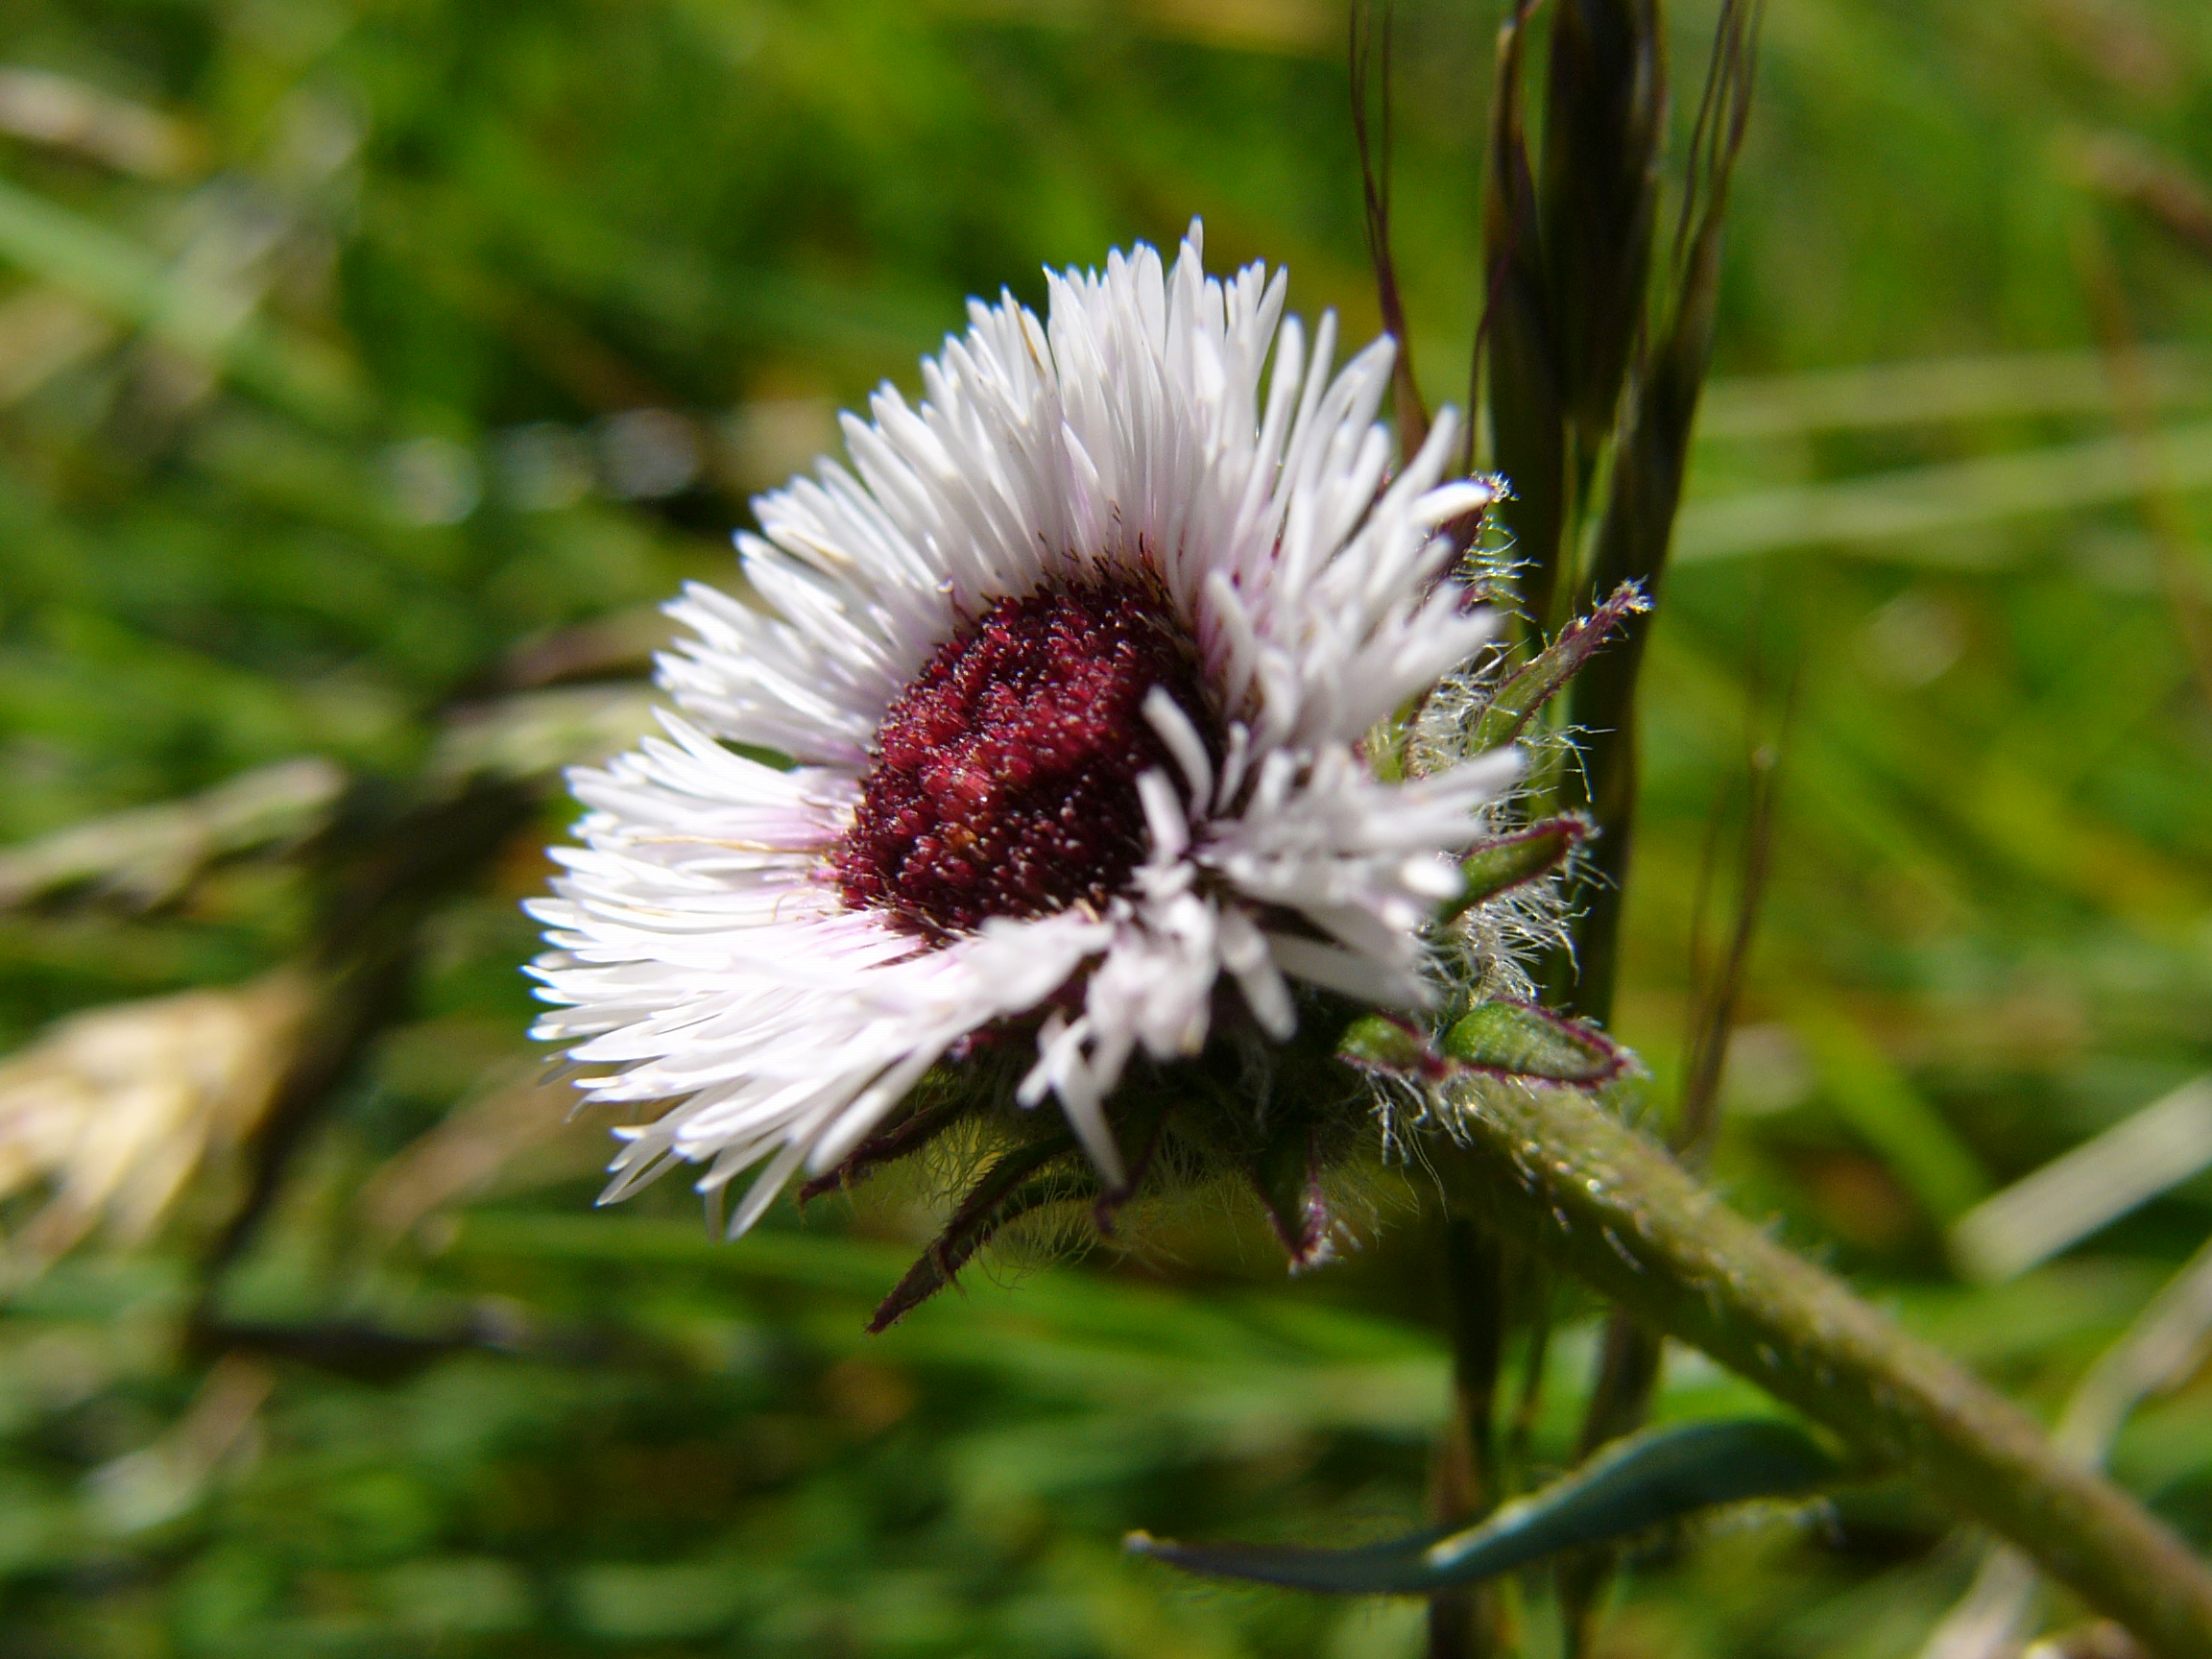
x,y
1634,1486
131,284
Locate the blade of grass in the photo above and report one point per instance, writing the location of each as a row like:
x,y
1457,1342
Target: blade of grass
x,y
1526,398
1604,117
1876,395
116,276
1949,496
1632,1486
1636,530
2088,1187
1718,993
1879,1104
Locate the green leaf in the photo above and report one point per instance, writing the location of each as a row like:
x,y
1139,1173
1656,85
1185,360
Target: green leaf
x,y
1377,1042
1511,860
1505,1039
1514,1040
1537,681
1631,1485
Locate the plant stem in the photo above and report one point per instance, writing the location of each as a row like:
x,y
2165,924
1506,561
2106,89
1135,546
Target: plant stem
x,y
1560,1174
1463,1623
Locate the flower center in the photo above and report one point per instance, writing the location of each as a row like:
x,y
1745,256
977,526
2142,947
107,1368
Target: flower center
x,y
1005,775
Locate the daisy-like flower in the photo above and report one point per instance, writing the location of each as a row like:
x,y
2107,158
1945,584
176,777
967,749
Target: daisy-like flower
x,y
1073,669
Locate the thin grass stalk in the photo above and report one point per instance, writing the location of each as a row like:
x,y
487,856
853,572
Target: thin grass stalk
x,y
1370,67
1632,1353
2122,169
1719,992
2135,410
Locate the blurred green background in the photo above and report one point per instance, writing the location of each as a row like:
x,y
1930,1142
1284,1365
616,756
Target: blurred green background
x,y
369,369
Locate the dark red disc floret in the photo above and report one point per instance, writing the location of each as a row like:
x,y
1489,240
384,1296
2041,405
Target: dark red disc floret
x,y
1005,774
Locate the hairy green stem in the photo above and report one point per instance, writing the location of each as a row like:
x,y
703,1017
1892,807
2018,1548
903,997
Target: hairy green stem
x,y
1560,1174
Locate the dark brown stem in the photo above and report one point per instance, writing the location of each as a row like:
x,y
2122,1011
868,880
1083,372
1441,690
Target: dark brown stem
x,y
1518,361
1529,1402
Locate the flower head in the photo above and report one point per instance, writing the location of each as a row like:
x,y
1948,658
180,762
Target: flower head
x,y
1073,671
